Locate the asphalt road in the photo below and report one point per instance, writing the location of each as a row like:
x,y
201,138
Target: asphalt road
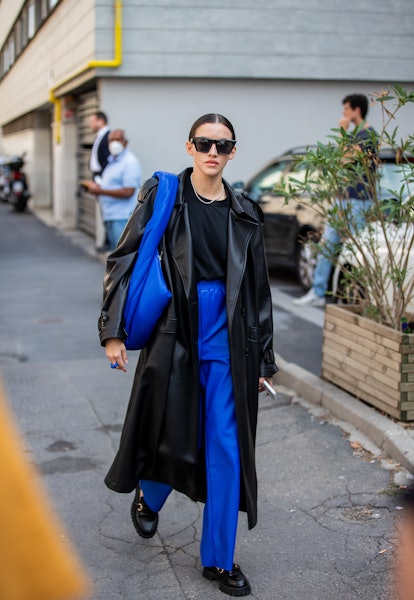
x,y
326,497
298,330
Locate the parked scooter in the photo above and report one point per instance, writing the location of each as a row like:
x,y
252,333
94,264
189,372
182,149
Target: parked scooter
x,y
18,189
4,179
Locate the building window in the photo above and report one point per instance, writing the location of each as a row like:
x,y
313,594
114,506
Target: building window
x,y
18,37
28,22
31,20
25,37
38,13
42,8
9,53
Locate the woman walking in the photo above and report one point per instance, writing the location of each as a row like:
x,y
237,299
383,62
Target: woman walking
x,y
191,419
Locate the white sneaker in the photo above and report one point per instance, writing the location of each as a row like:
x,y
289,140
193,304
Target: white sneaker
x,y
310,299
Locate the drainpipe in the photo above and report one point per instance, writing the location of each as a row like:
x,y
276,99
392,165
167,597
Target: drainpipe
x,y
113,63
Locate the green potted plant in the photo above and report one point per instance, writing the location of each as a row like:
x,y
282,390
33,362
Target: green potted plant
x,y
368,343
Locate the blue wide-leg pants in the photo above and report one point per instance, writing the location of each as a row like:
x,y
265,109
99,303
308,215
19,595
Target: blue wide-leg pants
x,y
219,432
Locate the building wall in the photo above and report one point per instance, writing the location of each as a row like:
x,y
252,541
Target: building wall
x,y
361,40
65,43
8,13
273,39
277,68
65,182
269,116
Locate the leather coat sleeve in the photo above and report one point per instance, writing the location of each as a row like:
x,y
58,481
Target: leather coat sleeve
x,y
119,266
267,358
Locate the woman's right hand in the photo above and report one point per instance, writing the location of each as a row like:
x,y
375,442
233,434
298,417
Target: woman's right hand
x,y
116,352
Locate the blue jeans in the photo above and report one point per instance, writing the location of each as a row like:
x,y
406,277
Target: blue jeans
x,y
355,211
220,433
114,230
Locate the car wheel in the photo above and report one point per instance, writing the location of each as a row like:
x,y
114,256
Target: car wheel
x,y
305,263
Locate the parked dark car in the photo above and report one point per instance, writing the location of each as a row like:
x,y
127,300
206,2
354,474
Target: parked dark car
x,y
289,227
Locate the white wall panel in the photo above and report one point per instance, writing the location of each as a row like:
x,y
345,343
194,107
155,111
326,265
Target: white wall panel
x,y
269,117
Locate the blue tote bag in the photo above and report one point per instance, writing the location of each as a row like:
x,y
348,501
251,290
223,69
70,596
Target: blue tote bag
x,y
148,295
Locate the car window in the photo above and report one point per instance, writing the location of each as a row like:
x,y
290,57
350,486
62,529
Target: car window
x,y
267,179
392,176
297,172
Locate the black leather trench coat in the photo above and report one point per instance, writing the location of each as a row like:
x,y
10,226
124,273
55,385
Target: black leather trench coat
x,y
160,439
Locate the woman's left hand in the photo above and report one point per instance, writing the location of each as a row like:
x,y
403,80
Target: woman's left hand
x,y
261,383
116,352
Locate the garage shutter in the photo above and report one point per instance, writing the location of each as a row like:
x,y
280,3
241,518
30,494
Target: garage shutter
x,y
88,104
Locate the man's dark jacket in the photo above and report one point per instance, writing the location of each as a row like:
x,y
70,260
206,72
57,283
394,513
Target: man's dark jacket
x,y
103,152
160,438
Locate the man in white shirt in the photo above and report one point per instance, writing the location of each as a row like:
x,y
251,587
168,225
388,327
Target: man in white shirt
x,y
118,187
98,160
99,153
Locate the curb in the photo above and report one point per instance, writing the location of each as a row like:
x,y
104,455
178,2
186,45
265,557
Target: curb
x,y
390,437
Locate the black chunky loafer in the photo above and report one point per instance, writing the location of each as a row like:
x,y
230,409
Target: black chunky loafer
x,y
144,519
231,582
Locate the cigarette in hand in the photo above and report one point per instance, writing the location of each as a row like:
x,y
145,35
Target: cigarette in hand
x,y
271,390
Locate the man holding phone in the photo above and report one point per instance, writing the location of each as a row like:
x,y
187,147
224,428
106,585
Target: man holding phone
x,y
117,189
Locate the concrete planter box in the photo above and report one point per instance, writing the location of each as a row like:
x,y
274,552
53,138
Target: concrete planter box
x,y
369,360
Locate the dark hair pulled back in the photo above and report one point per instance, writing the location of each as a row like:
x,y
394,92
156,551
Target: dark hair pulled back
x,y
211,118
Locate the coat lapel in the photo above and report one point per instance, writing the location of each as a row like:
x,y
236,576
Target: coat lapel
x,y
180,240
182,248
240,230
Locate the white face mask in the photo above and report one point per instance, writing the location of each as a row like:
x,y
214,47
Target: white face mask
x,y
115,147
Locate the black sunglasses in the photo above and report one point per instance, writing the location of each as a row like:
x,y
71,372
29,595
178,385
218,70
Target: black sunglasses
x,y
203,144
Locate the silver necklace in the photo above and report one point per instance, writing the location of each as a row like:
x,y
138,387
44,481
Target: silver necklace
x,y
201,199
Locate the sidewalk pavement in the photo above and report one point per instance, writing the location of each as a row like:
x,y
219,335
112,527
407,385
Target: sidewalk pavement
x,y
327,499
389,435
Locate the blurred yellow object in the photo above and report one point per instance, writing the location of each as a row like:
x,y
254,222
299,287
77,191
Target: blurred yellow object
x,y
403,563
36,563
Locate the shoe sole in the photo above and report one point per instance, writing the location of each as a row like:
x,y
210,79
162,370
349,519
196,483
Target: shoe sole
x,y
224,588
136,525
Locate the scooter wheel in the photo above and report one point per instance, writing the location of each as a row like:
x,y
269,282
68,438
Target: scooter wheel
x,y
19,204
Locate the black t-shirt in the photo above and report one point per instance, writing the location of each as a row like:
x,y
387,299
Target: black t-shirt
x,y
208,224
364,139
